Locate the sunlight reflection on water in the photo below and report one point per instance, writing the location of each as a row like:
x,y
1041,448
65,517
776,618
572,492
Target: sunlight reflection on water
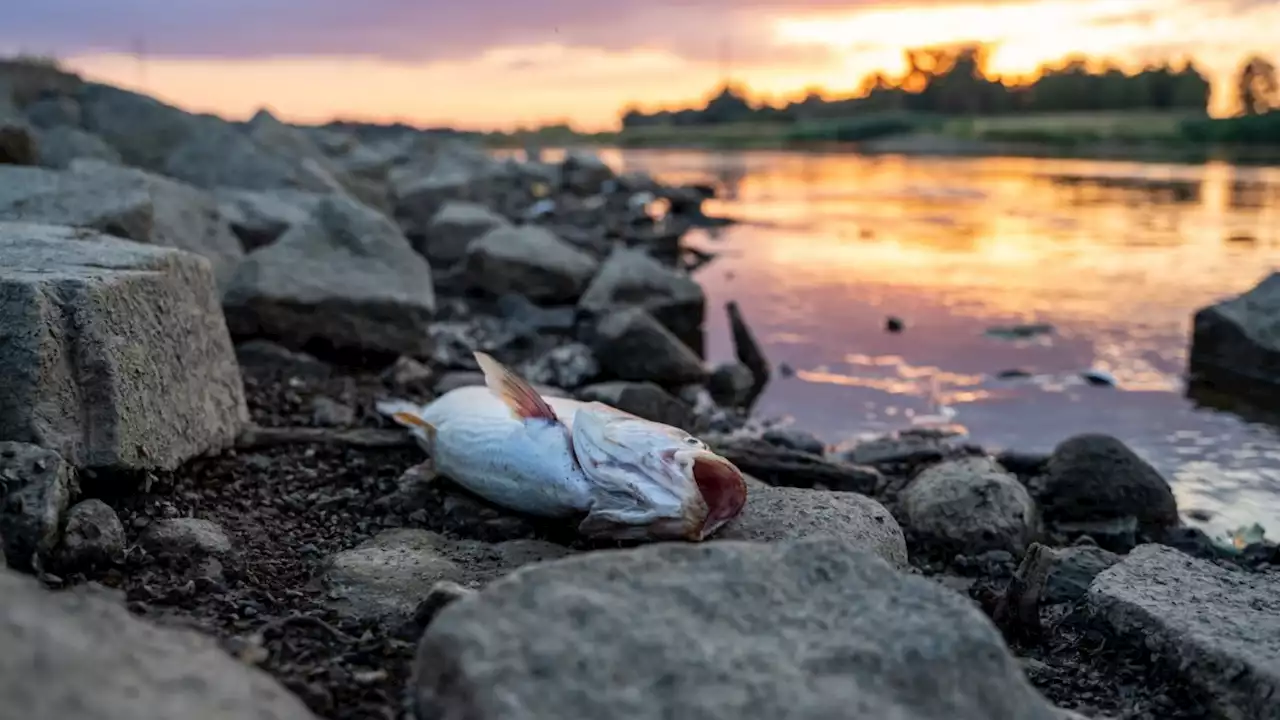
x,y
1115,255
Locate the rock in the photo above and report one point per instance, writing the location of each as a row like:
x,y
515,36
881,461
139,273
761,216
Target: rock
x,y
1115,534
631,345
970,506
803,629
530,261
418,193
142,129
441,595
584,172
795,439
746,348
18,142
452,230
94,535
1218,628
219,154
35,488
186,536
732,385
407,372
387,577
260,217
62,145
569,365
1073,569
346,277
891,451
76,654
632,278
644,399
145,374
1023,464
327,412
776,514
1235,343
124,202
269,354
785,467
53,112
1097,477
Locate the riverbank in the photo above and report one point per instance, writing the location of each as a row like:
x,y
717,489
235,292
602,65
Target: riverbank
x,y
224,524
1135,135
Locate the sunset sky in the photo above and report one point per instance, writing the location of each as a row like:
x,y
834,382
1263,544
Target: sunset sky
x,y
496,64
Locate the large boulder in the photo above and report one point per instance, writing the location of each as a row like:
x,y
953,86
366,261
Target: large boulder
x,y
733,630
345,278
82,655
115,354
970,506
260,217
631,345
452,230
142,129
1218,628
1097,477
220,154
530,261
125,202
631,277
62,145
776,514
784,466
18,141
1235,343
643,399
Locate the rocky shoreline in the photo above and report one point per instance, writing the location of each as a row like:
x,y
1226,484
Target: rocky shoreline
x,y
202,514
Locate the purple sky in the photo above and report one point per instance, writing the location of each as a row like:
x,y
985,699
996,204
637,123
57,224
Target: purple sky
x,y
393,29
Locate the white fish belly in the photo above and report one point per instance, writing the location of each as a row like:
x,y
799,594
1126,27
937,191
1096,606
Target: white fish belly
x,y
521,466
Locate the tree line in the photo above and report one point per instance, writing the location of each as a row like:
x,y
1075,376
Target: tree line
x,y
954,80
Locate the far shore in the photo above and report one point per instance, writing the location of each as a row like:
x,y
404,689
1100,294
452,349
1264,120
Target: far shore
x,y
1138,136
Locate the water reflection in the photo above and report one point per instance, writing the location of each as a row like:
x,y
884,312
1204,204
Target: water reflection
x,y
1116,256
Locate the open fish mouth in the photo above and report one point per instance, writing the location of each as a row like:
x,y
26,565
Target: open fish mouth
x,y
723,489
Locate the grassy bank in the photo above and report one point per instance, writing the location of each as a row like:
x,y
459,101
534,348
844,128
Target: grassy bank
x,y
1140,133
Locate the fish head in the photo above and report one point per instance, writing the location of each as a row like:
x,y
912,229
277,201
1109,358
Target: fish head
x,y
652,481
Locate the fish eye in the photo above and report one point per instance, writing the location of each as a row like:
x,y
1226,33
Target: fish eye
x,y
693,442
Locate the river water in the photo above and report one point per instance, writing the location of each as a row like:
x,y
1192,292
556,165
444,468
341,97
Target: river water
x,y
1115,256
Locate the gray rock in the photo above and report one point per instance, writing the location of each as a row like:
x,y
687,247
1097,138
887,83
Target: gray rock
x,y
584,171
1097,477
569,365
94,535
1235,343
783,466
775,514
327,412
77,654
1073,569
18,141
530,261
731,384
142,129
1219,628
644,399
632,278
346,277
62,145
35,488
896,450
803,629
219,154
970,506
52,112
441,595
795,439
260,217
116,353
406,372
631,345
418,193
452,230
125,202
387,577
186,536
1115,534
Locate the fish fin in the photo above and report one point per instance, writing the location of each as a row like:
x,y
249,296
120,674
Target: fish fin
x,y
514,390
390,408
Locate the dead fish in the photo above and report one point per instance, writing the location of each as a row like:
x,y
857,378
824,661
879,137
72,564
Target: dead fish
x,y
631,478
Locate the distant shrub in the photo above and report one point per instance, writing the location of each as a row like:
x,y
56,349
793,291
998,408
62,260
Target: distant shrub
x,y
1261,129
856,129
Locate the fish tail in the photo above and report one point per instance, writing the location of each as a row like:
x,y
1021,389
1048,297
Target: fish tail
x,y
409,415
